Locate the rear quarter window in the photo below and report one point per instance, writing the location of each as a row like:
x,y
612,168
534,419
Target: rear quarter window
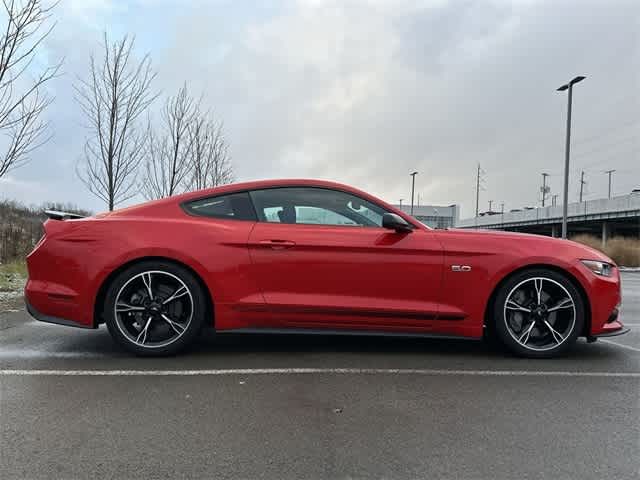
x,y
235,206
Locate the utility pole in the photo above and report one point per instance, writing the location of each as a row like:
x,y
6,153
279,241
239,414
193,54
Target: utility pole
x,y
544,189
609,172
567,149
479,174
490,203
413,187
582,182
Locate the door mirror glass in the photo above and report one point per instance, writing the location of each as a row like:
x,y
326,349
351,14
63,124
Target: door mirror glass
x,y
396,222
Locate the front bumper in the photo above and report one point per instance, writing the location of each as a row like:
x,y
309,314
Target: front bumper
x,y
605,298
614,333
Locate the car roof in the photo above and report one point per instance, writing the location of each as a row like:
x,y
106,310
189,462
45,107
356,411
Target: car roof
x,y
258,184
155,206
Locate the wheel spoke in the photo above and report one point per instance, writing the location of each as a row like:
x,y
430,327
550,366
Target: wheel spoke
x,y
146,279
537,282
125,307
566,303
175,325
180,292
512,305
524,338
143,332
556,335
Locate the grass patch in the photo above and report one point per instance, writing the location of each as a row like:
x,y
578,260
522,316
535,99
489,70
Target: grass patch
x,y
623,250
13,274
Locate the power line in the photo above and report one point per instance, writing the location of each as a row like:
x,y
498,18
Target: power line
x,y
607,158
604,133
604,146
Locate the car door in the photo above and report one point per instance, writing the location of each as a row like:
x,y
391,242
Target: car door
x,y
322,258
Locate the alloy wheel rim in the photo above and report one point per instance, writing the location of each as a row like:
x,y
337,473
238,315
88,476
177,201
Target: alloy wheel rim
x,y
539,313
153,309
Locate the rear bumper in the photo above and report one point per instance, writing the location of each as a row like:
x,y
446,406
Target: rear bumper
x,y
53,300
50,319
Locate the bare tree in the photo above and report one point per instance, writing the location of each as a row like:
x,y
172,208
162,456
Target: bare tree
x,y
168,153
210,162
22,100
116,93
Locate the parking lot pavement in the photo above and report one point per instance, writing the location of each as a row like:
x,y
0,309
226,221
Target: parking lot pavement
x,y
353,408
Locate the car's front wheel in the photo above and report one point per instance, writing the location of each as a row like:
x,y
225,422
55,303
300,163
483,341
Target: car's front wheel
x,y
154,308
538,313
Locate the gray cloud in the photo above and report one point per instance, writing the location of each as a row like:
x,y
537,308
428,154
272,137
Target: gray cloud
x,y
366,91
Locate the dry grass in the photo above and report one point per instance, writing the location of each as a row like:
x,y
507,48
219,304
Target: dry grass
x,y
12,275
624,251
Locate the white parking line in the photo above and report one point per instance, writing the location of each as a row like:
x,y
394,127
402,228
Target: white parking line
x,y
621,345
326,371
14,353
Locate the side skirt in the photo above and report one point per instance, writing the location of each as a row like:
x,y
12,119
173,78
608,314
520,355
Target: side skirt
x,y
345,332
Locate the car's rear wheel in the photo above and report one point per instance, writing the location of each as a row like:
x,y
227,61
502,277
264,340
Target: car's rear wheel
x,y
154,308
538,313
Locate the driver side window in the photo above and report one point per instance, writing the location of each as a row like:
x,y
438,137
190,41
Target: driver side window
x,y
315,206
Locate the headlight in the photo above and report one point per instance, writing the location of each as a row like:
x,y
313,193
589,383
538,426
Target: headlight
x,y
597,267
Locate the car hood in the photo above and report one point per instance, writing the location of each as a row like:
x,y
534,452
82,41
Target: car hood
x,y
531,241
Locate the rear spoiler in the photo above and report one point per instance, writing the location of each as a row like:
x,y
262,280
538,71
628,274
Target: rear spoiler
x,y
56,215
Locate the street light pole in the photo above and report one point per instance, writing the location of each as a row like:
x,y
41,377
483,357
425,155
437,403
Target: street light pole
x,y
568,86
413,187
609,172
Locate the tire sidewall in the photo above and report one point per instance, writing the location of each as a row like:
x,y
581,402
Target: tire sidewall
x,y
500,325
197,320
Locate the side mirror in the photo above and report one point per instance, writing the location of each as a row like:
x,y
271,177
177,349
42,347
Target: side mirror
x,y
396,222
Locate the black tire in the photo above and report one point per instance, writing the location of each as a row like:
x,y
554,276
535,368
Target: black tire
x,y
168,276
544,339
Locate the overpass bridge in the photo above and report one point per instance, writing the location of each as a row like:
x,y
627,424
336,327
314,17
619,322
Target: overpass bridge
x,y
618,216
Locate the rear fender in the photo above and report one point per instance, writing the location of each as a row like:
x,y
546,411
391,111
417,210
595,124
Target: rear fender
x,y
141,254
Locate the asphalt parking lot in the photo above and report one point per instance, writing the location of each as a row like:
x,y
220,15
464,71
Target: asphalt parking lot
x,y
74,406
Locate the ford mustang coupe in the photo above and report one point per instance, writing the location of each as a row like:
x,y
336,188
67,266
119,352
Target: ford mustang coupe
x,y
307,256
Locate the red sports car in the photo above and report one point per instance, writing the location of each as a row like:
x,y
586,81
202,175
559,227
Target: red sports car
x,y
312,256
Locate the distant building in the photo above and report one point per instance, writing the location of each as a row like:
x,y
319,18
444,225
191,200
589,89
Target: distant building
x,y
434,215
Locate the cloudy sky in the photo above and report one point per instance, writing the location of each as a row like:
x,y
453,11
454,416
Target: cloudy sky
x,y
366,91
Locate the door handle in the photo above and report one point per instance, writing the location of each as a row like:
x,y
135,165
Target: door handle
x,y
277,244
